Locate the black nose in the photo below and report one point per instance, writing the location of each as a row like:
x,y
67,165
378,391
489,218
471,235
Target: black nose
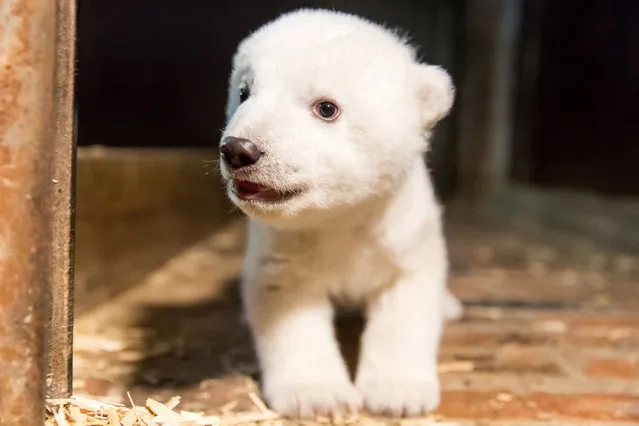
x,y
239,152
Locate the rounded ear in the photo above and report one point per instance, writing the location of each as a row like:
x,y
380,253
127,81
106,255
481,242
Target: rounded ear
x,y
436,94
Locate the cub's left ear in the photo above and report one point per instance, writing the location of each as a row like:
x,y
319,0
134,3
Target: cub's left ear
x,y
436,94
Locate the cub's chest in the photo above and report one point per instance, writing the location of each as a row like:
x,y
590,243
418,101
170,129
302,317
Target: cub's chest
x,y
351,271
347,266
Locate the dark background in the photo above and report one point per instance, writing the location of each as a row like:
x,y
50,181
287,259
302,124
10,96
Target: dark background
x,y
153,73
586,129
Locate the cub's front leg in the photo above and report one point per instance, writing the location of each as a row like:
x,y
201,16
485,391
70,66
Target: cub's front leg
x,y
397,372
303,373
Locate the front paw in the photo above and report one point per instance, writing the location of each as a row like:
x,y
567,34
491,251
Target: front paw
x,y
310,399
400,398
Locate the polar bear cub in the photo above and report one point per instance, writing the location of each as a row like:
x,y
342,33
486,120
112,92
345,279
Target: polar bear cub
x,y
328,118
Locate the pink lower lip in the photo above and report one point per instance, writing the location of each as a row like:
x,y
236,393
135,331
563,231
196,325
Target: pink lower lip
x,y
254,192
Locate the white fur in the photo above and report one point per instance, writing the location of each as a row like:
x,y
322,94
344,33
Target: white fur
x,y
365,228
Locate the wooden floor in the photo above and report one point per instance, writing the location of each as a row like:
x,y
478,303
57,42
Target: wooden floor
x,y
550,336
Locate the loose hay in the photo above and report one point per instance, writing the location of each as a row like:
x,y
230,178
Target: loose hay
x,y
82,411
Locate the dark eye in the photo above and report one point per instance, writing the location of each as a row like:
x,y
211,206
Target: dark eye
x,y
326,110
244,93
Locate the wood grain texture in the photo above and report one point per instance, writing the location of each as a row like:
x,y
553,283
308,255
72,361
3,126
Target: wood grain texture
x,y
61,324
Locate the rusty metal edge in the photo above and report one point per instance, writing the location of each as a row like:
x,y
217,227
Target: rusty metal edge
x,y
60,361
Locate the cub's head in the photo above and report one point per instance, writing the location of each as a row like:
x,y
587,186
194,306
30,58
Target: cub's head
x,y
325,112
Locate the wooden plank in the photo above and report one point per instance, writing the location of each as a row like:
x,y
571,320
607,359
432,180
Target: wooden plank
x,y
60,374
486,97
445,23
608,222
526,113
136,208
27,46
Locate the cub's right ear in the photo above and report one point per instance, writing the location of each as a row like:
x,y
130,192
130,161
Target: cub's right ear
x,y
436,94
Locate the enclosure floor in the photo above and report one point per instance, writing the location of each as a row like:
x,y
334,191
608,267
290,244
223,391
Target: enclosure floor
x,y
550,335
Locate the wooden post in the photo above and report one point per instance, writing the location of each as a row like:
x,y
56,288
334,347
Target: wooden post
x,y
27,58
60,363
486,97
528,86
